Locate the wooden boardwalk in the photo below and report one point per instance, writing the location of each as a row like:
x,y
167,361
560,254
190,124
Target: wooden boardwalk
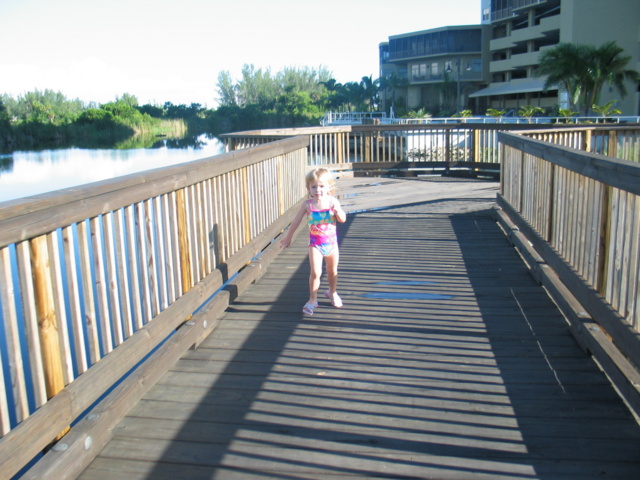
x,y
447,361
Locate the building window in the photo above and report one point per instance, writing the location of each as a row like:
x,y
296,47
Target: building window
x,y
419,72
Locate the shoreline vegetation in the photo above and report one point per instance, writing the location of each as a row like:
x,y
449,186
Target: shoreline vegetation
x,y
293,97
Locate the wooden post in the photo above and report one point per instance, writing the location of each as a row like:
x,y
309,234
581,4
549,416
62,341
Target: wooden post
x,y
339,147
246,207
613,144
52,363
550,205
183,241
368,139
604,236
47,321
447,149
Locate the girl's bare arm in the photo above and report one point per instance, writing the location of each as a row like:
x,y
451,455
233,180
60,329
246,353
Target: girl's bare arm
x,y
295,223
340,214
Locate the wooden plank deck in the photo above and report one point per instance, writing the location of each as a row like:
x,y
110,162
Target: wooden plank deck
x,y
447,361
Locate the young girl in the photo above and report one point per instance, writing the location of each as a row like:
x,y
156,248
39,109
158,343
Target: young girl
x,y
322,211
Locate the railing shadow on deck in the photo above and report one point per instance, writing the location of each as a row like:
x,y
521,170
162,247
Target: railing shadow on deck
x,y
33,247
487,419
94,278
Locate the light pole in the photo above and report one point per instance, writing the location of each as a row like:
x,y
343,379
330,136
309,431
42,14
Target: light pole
x,y
449,70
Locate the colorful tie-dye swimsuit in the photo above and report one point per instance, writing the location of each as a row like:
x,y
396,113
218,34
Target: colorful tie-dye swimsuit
x,y
322,230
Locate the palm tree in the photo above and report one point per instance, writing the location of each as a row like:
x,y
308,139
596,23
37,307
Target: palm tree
x,y
392,82
369,88
352,96
607,109
608,66
582,71
565,67
528,111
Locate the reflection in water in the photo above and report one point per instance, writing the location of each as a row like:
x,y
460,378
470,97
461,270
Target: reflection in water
x,y
6,163
24,174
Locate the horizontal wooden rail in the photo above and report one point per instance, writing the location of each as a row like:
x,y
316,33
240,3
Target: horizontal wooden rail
x,y
425,148
581,211
93,279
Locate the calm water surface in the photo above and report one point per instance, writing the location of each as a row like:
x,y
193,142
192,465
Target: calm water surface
x,y
23,174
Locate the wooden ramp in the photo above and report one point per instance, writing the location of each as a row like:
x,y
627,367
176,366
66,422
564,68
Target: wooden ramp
x,y
447,361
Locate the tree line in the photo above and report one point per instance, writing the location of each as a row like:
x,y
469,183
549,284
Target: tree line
x,y
261,98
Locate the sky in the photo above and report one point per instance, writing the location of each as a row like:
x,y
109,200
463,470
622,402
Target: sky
x,y
173,50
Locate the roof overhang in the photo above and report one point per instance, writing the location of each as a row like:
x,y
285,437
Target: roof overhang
x,y
527,86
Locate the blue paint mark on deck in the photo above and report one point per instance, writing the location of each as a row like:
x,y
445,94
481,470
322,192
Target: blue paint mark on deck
x,y
406,296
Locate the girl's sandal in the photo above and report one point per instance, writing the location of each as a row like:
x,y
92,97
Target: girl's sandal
x,y
336,301
308,308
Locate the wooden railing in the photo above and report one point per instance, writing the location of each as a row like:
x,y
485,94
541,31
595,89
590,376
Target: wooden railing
x,y
93,279
377,149
622,142
414,149
581,212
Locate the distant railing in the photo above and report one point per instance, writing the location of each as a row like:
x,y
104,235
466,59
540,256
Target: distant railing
x,y
579,206
94,278
407,148
510,117
350,118
369,149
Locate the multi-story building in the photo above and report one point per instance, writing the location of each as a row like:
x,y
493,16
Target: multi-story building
x,y
436,69
504,61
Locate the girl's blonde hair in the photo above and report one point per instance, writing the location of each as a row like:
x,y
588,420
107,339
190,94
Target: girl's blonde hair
x,y
320,174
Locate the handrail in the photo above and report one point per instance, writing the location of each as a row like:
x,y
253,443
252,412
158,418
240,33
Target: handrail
x,y
102,275
580,210
356,118
98,276
426,147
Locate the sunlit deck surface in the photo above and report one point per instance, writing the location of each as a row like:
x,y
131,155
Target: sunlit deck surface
x,y
448,361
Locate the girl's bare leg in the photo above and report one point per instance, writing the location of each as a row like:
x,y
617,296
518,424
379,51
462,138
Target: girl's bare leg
x,y
315,264
331,261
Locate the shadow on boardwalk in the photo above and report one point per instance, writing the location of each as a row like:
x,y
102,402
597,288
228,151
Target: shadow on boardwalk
x,y
448,361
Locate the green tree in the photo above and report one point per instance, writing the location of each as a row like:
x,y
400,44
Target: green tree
x,y
393,83
564,67
464,114
528,111
226,90
608,65
369,92
45,107
123,111
257,87
128,99
334,96
448,91
5,119
96,116
606,109
493,112
582,71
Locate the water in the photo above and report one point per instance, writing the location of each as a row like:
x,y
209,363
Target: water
x,y
23,174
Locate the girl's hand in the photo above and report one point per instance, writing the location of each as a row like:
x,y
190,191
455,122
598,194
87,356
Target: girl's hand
x,y
285,242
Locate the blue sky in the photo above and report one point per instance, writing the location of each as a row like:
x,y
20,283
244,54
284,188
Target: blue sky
x,y
173,50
